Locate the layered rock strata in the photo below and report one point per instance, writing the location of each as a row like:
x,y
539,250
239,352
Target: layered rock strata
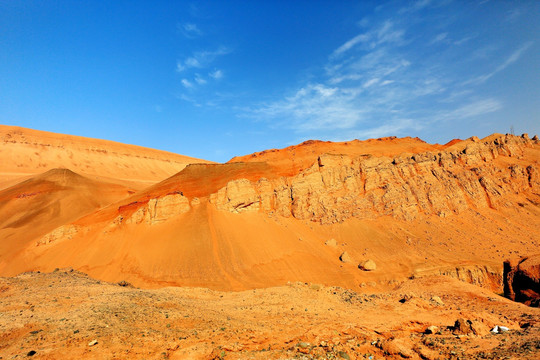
x,y
155,211
338,187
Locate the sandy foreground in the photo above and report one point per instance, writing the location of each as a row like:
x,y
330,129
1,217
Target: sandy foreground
x,y
68,315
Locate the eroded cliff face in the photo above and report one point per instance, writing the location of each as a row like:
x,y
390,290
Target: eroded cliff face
x,y
155,211
338,187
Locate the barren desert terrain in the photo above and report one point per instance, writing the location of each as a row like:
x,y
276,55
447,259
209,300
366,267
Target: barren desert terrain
x,y
322,250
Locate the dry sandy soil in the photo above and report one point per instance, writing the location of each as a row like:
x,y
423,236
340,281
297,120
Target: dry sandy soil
x,y
59,315
265,256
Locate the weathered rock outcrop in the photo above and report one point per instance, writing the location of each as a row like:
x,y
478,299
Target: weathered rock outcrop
x,y
337,187
522,280
64,232
156,210
480,275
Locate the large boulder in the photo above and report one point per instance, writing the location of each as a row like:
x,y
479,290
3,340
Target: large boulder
x,y
367,265
522,280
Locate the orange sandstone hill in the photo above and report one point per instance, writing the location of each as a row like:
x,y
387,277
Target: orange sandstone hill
x,y
359,214
26,152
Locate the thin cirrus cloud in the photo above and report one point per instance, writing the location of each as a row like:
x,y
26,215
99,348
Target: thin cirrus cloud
x,y
509,61
217,74
316,106
189,30
385,33
187,84
476,108
376,84
200,59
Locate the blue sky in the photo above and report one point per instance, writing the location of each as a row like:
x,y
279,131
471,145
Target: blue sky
x,y
216,79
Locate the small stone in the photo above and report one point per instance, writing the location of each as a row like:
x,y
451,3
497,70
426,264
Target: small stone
x,y
432,329
331,242
396,347
344,355
92,343
405,298
31,353
367,265
315,287
345,257
304,347
462,327
437,300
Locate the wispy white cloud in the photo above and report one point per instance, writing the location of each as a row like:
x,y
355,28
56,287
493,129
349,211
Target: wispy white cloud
x,y
187,84
385,33
514,14
189,30
199,80
350,43
386,81
200,59
464,40
389,129
217,74
189,99
515,56
476,108
440,38
316,106
415,6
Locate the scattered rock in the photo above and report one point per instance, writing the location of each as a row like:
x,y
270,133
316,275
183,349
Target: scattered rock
x,y
479,328
432,329
233,347
367,265
92,343
427,354
344,355
396,347
405,298
437,300
331,242
124,283
462,326
304,347
31,353
345,257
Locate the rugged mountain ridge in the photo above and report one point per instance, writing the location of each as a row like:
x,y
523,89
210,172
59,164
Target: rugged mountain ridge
x,y
337,187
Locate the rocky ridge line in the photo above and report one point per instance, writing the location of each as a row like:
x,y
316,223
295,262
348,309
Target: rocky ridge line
x,y
338,187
